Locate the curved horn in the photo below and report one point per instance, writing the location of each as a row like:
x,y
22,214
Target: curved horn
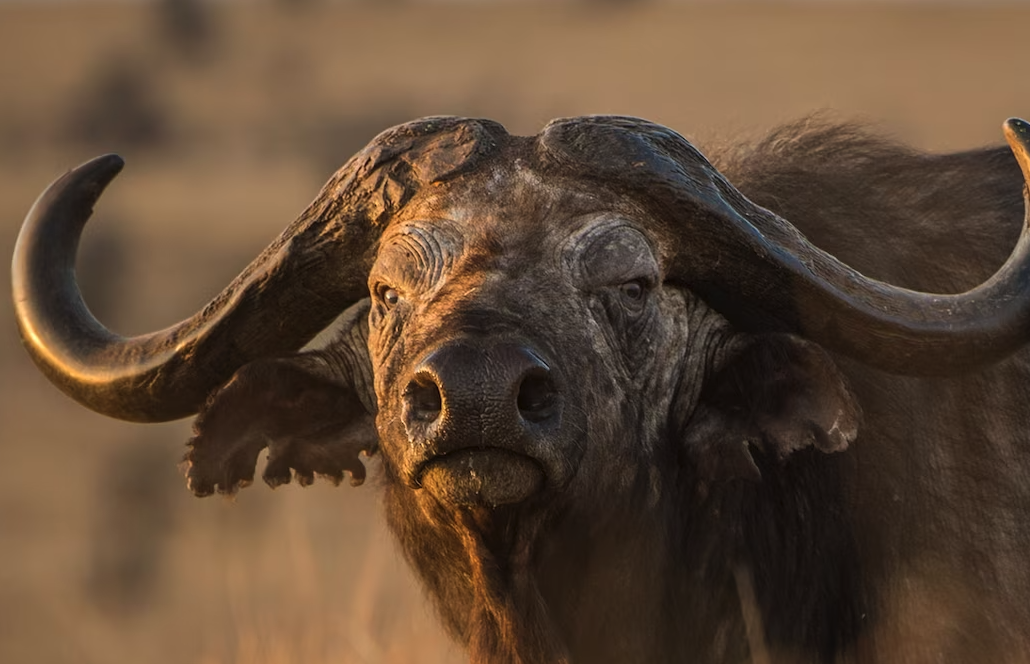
x,y
777,275
304,279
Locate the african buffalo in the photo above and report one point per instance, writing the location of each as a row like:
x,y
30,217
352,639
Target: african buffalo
x,y
627,411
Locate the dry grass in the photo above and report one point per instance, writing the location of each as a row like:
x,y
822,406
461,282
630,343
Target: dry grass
x,y
106,558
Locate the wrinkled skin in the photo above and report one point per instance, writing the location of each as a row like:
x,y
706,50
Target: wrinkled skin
x,y
524,264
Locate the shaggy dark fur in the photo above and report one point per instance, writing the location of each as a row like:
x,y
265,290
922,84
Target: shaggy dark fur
x,y
939,223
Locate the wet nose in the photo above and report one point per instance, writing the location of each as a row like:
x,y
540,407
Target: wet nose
x,y
485,387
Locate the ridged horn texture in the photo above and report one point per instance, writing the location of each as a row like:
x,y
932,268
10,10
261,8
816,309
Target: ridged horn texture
x,y
759,270
291,291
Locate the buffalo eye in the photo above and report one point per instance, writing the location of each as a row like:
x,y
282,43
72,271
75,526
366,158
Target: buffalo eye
x,y
389,296
632,290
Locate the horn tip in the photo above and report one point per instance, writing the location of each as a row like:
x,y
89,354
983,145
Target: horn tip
x,y
88,179
102,169
1017,124
1017,134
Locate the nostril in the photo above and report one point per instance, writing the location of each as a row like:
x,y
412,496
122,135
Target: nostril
x,y
537,397
423,399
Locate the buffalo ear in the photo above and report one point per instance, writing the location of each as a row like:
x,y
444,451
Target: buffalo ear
x,y
777,392
310,422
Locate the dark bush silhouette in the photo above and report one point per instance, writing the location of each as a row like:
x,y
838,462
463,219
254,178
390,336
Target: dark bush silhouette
x,y
187,26
120,108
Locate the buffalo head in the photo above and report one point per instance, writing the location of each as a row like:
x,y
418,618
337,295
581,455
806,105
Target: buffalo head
x,y
529,322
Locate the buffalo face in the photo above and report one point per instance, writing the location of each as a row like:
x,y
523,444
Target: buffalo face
x,y
516,331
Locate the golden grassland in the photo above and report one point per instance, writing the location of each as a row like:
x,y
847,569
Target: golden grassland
x,y
228,131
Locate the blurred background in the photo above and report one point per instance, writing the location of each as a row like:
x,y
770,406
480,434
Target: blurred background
x,y
231,115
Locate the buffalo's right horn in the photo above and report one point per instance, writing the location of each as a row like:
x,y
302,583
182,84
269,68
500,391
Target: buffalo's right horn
x,y
762,273
305,278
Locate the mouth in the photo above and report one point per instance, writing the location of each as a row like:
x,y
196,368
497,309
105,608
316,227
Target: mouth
x,y
481,477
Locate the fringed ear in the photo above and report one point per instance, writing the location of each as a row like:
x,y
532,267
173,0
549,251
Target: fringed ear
x,y
309,421
778,392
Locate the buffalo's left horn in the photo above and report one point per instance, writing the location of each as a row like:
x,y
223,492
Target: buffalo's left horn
x,y
305,278
168,374
758,269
